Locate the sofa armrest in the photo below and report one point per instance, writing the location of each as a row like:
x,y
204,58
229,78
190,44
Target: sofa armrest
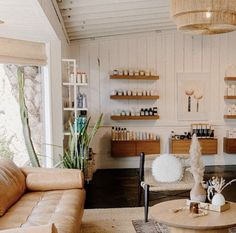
x,y
45,179
35,229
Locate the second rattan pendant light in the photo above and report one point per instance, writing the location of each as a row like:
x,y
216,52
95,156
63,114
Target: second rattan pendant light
x,y
204,16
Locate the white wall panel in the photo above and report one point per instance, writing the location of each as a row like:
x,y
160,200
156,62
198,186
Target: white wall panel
x,y
167,53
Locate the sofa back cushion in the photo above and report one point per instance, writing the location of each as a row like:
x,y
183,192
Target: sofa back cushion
x,y
12,184
54,179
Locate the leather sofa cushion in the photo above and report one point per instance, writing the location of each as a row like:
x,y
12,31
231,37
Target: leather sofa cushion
x,y
54,179
12,184
64,208
50,228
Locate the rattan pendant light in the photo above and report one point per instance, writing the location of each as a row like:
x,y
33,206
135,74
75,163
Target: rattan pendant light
x,y
204,16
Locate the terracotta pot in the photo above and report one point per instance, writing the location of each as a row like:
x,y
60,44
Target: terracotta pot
x,y
198,193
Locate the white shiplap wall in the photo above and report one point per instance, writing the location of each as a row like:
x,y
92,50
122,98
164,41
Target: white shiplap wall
x,y
167,53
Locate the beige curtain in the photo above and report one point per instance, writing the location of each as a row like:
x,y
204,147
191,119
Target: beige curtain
x,y
22,52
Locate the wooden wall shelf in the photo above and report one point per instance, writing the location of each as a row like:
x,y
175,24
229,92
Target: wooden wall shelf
x,y
134,77
209,146
134,148
228,97
230,78
230,116
127,97
230,145
136,118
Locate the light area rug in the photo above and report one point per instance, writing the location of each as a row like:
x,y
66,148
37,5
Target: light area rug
x,y
121,220
118,220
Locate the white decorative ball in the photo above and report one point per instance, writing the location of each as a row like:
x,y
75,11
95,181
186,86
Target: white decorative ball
x,y
167,168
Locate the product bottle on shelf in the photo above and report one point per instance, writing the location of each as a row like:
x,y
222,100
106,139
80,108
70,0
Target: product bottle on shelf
x,y
125,134
142,113
208,131
116,134
112,134
155,111
212,132
119,136
84,101
80,100
146,112
150,112
122,134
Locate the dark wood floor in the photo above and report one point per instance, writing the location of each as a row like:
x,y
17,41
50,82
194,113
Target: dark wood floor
x,y
115,188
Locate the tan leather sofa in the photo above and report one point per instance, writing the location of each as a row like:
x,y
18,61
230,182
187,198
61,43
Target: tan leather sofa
x,y
40,200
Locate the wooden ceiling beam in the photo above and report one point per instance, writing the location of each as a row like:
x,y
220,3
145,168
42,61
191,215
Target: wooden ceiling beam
x,y
118,14
106,26
127,19
67,4
117,33
113,7
153,26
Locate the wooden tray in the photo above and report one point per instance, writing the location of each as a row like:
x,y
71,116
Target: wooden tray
x,y
209,206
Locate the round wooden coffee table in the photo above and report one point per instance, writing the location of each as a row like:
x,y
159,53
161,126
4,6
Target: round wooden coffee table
x,y
182,222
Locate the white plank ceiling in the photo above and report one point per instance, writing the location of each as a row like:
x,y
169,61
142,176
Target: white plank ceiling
x,y
99,18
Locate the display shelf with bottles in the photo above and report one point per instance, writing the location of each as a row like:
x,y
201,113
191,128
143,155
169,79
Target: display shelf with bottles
x,y
136,114
136,118
126,97
143,114
180,144
230,97
127,143
134,77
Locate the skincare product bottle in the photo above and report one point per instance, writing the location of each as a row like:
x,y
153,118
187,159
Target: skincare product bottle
x,y
212,132
112,134
142,112
84,101
80,100
125,134
150,112
146,112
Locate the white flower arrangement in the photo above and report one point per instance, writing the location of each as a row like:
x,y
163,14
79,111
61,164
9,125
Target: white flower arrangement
x,y
218,184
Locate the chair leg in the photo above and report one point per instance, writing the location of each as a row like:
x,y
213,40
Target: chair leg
x,y
139,194
146,202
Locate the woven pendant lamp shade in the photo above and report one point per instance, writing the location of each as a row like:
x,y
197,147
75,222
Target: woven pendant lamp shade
x,y
204,16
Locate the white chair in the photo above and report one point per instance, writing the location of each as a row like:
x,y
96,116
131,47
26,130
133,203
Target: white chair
x,y
149,184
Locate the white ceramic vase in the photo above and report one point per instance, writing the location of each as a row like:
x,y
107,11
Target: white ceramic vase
x,y
218,199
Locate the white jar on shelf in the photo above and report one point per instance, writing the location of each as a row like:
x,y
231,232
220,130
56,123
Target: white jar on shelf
x,y
84,78
233,87
78,78
72,77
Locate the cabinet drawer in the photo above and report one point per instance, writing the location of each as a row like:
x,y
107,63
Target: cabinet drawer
x,y
230,145
209,146
134,148
123,148
152,147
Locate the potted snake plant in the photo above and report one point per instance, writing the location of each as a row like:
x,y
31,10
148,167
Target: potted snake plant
x,y
76,153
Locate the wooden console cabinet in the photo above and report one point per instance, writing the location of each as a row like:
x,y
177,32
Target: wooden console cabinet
x,y
230,145
134,148
209,146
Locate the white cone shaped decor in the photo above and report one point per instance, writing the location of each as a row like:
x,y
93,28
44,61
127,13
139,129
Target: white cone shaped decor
x,y
204,16
198,193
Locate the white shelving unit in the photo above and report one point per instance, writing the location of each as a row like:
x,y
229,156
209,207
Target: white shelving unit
x,y
72,89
